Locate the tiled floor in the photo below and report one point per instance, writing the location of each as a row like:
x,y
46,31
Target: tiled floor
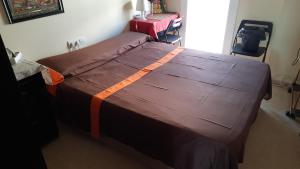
x,y
273,143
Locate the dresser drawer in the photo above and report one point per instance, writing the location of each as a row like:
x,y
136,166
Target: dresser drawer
x,y
38,108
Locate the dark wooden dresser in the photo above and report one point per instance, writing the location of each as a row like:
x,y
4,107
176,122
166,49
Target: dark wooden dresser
x,y
37,103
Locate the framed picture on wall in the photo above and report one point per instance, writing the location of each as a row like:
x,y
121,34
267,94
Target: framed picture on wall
x,y
22,10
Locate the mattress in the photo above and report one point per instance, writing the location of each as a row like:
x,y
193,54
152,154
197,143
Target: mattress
x,y
194,111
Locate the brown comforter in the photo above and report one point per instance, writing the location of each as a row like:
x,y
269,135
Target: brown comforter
x,y
194,112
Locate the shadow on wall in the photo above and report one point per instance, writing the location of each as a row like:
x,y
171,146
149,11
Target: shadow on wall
x,y
293,48
273,57
283,74
292,70
127,8
4,18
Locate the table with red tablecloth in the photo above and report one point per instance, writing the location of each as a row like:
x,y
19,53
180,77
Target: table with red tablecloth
x,y
155,23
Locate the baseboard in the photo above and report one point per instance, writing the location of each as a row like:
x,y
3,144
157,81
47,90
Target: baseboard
x,y
280,83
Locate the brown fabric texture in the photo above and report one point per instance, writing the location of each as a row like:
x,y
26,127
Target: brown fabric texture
x,y
90,57
194,112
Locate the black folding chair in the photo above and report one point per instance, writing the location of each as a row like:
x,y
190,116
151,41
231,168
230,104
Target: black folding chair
x,y
294,89
238,47
171,35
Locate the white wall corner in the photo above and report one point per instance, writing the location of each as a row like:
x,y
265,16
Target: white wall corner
x,y
231,25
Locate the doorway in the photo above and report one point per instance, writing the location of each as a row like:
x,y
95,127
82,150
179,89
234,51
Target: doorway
x,y
210,24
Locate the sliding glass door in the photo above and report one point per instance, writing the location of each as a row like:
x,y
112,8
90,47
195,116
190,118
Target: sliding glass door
x,y
208,21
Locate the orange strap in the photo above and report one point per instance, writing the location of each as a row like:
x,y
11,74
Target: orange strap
x,y
51,89
98,98
56,79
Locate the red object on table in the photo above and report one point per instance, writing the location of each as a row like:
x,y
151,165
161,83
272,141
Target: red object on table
x,y
154,24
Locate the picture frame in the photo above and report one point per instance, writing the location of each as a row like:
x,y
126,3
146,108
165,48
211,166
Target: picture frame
x,y
23,10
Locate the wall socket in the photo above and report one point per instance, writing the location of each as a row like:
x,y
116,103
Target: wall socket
x,y
76,43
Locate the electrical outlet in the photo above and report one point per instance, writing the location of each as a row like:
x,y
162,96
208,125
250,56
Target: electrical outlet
x,y
82,41
76,43
71,45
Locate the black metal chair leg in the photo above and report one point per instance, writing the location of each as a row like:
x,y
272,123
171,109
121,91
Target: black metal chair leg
x,y
293,112
290,113
264,58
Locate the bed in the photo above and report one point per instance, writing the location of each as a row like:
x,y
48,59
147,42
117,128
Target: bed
x,y
186,108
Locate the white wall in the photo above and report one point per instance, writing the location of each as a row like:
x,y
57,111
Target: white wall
x,y
231,24
94,19
286,35
100,19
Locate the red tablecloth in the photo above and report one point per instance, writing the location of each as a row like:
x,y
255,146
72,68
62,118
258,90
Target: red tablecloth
x,y
153,25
